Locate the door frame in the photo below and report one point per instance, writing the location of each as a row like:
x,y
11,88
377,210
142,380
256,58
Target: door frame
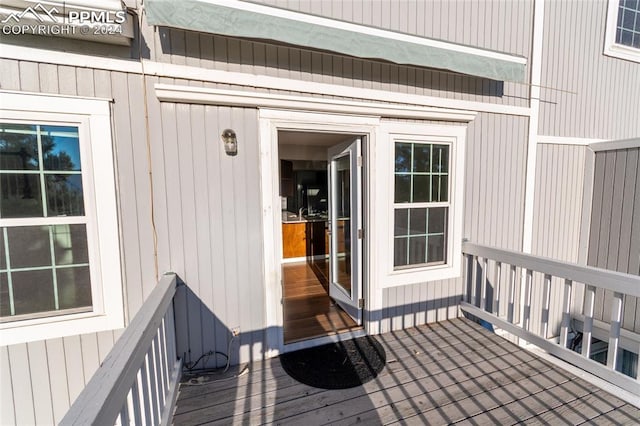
x,y
270,122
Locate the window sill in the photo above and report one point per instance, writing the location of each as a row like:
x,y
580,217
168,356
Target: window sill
x,y
64,325
410,276
622,52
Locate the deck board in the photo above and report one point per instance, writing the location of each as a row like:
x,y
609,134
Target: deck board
x,y
449,372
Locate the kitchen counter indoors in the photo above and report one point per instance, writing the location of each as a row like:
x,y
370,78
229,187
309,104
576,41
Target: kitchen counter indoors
x,y
288,217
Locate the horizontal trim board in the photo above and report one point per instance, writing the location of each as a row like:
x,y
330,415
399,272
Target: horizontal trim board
x,y
242,19
561,140
625,382
198,95
244,79
613,145
601,278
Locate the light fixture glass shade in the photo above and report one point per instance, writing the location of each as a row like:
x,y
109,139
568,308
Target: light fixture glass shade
x,y
230,141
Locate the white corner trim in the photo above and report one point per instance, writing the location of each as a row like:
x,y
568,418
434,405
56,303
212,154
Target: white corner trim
x,y
611,48
363,29
532,147
207,96
561,140
611,145
158,69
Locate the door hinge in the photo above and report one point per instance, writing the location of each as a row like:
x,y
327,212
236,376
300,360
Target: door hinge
x,y
359,160
360,234
360,303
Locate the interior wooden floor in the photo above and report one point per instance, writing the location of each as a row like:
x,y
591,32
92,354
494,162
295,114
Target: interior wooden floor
x,y
308,310
444,373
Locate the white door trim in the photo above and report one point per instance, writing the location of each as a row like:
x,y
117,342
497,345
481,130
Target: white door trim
x,y
270,121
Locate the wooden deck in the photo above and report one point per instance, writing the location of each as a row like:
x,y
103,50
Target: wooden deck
x,y
449,372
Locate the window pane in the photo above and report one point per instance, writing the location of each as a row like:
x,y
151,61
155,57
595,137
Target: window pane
x,y
29,246
418,221
626,38
437,220
417,250
20,195
70,244
628,19
74,287
64,195
60,148
403,157
401,223
436,249
440,159
420,188
5,305
421,157
33,291
439,188
403,189
399,252
18,147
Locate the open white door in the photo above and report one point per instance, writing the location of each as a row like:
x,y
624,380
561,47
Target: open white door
x,y
345,227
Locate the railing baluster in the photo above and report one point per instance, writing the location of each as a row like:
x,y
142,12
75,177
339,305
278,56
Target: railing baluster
x,y
483,284
135,395
159,373
614,332
546,300
496,289
566,314
526,311
145,391
152,384
474,280
468,278
589,304
164,354
512,293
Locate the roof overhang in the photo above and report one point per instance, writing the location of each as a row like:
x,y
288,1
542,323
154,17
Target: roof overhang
x,y
237,18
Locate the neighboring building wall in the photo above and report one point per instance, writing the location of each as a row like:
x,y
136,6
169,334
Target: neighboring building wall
x,y
603,102
614,240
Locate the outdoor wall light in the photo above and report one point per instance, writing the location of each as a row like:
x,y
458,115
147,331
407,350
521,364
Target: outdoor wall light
x,y
230,141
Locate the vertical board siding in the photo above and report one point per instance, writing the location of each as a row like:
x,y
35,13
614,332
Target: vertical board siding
x,y
614,239
43,378
557,223
214,228
604,90
493,215
511,23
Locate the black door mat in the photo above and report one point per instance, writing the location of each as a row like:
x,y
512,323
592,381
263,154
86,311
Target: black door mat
x,y
338,365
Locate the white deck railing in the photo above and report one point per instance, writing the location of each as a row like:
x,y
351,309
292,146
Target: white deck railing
x,y
138,381
526,283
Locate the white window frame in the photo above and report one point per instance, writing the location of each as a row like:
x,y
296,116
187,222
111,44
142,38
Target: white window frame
x,y
455,137
611,48
92,117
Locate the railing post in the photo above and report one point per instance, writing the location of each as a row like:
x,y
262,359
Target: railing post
x,y
589,304
614,332
566,314
546,300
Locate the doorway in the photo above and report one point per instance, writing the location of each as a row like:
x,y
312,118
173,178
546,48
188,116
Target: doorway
x,y
321,183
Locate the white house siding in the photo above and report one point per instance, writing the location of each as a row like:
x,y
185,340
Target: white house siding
x,y
605,90
45,377
493,215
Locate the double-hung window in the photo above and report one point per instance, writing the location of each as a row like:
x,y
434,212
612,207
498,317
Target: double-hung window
x,y
59,255
424,167
622,37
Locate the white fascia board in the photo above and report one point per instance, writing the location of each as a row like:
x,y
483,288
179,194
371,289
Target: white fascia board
x,y
236,18
619,144
207,96
562,140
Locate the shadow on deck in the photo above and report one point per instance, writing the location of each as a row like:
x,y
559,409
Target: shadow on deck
x,y
448,372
